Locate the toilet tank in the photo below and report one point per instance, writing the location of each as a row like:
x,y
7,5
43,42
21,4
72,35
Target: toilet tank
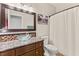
x,y
45,38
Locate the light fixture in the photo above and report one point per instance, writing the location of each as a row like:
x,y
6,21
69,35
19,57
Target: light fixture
x,y
26,7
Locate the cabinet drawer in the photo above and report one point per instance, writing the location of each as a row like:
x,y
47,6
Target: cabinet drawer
x,y
39,44
31,53
8,53
39,52
24,49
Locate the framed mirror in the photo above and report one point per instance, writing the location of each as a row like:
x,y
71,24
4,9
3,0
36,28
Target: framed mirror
x,y
15,19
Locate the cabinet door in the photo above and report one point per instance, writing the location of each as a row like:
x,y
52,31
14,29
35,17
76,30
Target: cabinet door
x,y
30,53
39,44
27,48
39,51
8,53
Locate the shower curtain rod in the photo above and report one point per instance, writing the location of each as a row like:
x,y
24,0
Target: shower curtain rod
x,y
64,10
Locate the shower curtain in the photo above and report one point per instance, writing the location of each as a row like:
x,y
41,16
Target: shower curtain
x,y
64,31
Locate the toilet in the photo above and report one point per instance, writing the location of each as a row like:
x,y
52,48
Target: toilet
x,y
50,50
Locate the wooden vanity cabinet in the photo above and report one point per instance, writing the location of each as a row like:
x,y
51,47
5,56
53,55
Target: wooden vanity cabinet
x,y
25,49
30,53
39,52
39,49
8,53
34,49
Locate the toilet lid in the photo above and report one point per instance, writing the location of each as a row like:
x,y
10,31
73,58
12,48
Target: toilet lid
x,y
51,47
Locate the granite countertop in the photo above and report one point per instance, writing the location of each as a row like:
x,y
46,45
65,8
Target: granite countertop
x,y
16,43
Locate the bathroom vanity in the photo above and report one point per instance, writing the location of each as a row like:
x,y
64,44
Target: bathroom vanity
x,y
30,49
13,20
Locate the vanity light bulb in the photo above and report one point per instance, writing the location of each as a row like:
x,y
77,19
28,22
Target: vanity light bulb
x,y
31,9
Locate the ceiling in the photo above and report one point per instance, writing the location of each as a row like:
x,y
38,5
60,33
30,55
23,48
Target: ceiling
x,y
50,7
57,6
62,6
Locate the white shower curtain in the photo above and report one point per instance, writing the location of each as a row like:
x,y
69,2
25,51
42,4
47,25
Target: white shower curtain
x,y
64,31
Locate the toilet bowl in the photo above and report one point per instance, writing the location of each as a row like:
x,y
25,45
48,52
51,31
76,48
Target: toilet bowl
x,y
50,50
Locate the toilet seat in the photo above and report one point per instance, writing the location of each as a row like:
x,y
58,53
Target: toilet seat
x,y
51,47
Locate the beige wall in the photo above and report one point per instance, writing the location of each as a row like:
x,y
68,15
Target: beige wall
x,y
45,9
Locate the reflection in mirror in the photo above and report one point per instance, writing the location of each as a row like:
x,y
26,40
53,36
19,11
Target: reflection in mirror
x,y
14,22
19,20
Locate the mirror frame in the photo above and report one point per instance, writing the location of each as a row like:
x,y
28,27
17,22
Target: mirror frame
x,y
3,16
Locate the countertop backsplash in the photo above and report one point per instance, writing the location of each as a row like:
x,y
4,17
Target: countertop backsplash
x,y
4,38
